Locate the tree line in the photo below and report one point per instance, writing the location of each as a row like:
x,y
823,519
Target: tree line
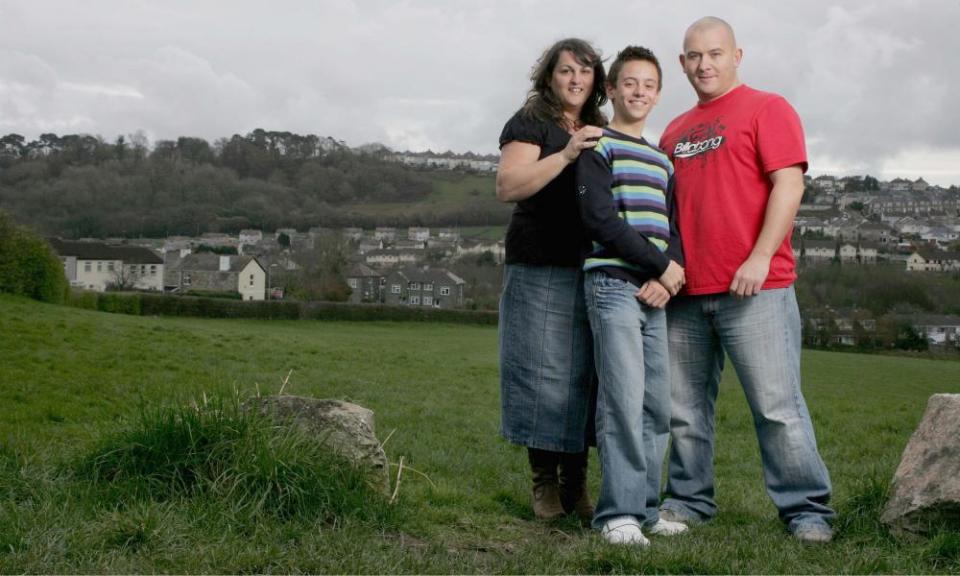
x,y
78,185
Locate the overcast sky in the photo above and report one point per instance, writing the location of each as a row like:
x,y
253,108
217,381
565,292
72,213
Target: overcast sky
x,y
875,82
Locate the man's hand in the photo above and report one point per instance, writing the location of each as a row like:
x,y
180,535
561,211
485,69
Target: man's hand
x,y
673,278
750,276
653,294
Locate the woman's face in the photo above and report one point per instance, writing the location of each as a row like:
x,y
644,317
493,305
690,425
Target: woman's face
x,y
572,82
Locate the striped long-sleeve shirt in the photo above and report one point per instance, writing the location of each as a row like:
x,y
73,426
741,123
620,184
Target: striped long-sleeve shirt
x,y
625,194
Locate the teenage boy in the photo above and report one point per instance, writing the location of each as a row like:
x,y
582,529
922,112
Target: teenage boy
x,y
624,190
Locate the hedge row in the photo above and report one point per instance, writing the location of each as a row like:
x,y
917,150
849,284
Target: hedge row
x,y
28,265
147,304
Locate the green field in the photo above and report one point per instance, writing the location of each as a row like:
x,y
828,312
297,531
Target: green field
x,y
69,377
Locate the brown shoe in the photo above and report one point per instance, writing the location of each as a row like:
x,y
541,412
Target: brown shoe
x,y
573,486
546,491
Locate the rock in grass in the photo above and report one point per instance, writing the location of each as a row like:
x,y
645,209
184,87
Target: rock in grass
x,y
347,429
926,486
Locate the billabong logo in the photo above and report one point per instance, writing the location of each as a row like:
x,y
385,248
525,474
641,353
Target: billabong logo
x,y
699,139
691,149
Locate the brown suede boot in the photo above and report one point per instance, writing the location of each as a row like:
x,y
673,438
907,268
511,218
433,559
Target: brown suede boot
x,y
573,486
546,492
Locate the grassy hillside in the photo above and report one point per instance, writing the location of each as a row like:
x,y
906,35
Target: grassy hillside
x,y
69,377
455,198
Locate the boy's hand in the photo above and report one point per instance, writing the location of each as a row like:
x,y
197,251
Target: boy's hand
x,y
673,278
653,294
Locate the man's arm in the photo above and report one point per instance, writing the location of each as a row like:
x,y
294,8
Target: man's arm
x,y
781,210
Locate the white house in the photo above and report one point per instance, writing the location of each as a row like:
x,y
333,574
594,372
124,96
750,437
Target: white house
x,y
98,266
933,261
418,234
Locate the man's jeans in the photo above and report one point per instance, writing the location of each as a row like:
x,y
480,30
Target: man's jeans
x,y
633,399
761,335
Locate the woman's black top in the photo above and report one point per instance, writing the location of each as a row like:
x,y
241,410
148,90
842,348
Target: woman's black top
x,y
545,229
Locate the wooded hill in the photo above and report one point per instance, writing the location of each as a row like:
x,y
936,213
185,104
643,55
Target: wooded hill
x,y
82,186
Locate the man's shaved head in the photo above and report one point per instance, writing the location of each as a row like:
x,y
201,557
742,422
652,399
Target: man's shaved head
x,y
710,58
708,22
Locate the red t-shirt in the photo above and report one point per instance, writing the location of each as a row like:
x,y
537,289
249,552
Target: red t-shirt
x,y
723,152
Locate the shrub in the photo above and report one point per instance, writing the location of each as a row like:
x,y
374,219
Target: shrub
x,y
28,266
82,299
360,312
234,458
228,295
119,303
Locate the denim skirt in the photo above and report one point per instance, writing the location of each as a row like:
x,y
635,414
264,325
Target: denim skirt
x,y
546,359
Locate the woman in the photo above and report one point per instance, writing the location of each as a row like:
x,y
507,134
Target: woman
x,y
546,367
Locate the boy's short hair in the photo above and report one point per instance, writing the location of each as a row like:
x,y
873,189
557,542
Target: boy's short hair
x,y
633,53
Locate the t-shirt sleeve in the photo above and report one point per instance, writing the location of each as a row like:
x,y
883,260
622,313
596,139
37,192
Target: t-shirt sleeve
x,y
780,139
522,128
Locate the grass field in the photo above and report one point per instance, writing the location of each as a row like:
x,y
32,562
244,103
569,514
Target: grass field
x,y
69,378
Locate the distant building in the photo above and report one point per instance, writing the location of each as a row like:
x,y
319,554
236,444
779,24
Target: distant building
x,y
354,234
816,249
384,233
939,330
909,225
369,245
930,260
423,287
365,284
386,258
99,266
418,234
450,234
250,236
181,244
221,273
218,240
496,248
843,327
876,232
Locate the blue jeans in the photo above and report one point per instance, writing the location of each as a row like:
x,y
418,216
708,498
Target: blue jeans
x,y
546,359
761,335
633,399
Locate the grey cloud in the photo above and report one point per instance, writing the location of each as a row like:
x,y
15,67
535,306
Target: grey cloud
x,y
869,78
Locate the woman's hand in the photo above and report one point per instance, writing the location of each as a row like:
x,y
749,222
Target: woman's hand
x,y
522,173
581,140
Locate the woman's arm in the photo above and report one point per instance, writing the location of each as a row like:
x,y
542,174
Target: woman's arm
x,y
522,173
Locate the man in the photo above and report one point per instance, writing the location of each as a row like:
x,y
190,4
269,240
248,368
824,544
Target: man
x,y
739,156
625,198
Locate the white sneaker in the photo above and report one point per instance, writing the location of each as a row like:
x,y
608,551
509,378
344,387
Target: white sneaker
x,y
667,528
623,530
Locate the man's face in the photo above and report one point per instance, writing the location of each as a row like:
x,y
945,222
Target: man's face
x,y
710,60
636,91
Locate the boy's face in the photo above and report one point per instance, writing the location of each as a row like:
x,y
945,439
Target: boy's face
x,y
636,91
